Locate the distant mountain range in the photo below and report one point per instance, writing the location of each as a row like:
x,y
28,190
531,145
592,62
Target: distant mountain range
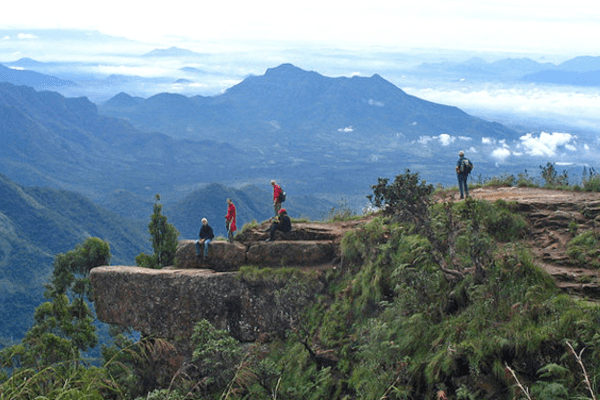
x,y
287,102
49,140
320,136
578,71
30,78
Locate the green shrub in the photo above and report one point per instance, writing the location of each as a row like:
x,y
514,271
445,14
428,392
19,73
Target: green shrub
x,y
585,248
503,180
591,180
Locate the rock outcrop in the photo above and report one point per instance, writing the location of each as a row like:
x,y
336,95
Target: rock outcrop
x,y
168,302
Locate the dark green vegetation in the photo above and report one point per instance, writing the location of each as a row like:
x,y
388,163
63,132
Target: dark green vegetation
x,y
164,240
48,362
432,300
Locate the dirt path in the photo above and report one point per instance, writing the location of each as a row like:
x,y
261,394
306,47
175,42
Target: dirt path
x,y
555,217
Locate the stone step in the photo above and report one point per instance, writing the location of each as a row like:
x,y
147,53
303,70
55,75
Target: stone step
x,y
224,256
282,253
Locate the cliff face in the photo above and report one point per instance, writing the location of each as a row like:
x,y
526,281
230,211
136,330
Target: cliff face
x,y
167,303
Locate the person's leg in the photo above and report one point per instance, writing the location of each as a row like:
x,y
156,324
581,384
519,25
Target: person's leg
x,y
229,236
272,232
466,185
198,251
206,244
277,207
460,186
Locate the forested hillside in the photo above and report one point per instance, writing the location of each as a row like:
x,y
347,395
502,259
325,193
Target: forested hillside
x,y
36,224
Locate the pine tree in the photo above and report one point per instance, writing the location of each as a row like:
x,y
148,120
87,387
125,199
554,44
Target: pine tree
x,y
164,240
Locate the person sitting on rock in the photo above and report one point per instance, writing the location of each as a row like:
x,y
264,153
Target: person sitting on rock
x,y
206,235
281,223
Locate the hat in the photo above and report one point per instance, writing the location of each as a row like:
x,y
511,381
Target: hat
x,y
282,211
461,153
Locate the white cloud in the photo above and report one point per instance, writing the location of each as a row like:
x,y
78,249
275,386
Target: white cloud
x,y
545,144
446,139
501,153
346,129
530,101
487,140
570,147
26,36
143,71
443,138
376,103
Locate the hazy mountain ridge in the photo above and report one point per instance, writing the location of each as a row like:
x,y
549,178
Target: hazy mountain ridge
x,y
288,101
34,79
47,139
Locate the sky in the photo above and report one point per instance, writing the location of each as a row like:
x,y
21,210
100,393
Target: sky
x,y
540,26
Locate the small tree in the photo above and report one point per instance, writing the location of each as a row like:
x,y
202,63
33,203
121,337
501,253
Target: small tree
x,y
164,240
405,198
63,325
409,200
551,177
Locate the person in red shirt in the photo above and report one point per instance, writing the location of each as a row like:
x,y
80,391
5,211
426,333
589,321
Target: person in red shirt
x,y
276,194
230,220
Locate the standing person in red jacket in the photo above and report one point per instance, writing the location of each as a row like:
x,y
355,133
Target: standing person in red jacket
x,y
230,220
276,193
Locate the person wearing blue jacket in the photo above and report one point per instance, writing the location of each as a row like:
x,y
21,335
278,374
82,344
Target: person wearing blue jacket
x,y
462,173
206,235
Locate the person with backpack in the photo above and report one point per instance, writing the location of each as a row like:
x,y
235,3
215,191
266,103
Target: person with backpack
x,y
463,169
230,220
277,197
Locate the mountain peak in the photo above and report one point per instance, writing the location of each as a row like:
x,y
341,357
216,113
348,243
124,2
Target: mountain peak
x,y
171,52
286,67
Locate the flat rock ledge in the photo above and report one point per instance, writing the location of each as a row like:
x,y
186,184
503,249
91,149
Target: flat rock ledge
x,y
167,303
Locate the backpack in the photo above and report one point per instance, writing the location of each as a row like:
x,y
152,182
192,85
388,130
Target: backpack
x,y
466,166
281,197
